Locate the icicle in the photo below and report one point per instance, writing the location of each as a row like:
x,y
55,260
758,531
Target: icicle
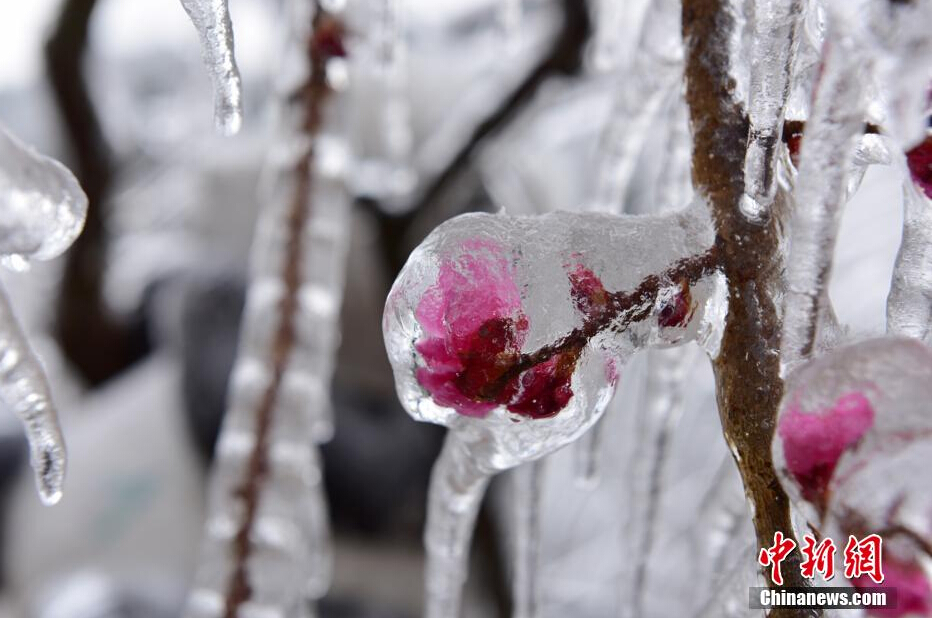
x,y
211,18
24,388
397,131
267,536
909,305
480,287
42,206
528,480
775,25
457,485
588,458
827,151
655,71
42,211
663,406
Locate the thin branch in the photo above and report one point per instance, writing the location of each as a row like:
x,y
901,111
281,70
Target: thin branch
x,y
326,36
632,307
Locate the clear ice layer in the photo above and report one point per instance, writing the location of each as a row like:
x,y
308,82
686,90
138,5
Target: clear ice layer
x,y
266,550
511,332
42,206
211,18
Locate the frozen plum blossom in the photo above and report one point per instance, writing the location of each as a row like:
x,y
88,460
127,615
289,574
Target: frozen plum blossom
x,y
852,447
814,440
919,162
512,331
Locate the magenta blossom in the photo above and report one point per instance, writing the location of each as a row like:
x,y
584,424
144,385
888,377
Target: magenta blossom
x,y
913,594
474,327
813,442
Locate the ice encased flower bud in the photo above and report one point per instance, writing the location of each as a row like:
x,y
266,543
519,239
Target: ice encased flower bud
x,y
513,328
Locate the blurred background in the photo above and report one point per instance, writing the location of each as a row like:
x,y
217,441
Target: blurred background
x,y
137,324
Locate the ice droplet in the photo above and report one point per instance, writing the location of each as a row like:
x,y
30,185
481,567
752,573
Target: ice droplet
x,y
211,18
42,206
24,388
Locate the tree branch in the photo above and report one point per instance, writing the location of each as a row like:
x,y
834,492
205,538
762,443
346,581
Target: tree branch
x,y
96,343
747,369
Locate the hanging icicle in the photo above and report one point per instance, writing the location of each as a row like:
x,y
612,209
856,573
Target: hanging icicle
x,y
267,543
775,26
42,211
909,305
526,502
211,18
827,152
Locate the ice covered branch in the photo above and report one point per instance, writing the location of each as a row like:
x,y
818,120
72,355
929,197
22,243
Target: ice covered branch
x,y
266,544
747,368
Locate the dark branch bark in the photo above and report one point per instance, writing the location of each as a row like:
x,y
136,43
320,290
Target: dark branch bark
x,y
747,370
96,343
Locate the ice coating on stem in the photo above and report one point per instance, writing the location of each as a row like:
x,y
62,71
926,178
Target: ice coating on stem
x,y
42,206
775,26
211,18
24,388
853,442
661,409
266,546
528,481
511,331
457,484
909,304
827,150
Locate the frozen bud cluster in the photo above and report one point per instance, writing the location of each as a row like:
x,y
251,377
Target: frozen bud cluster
x,y
852,447
515,328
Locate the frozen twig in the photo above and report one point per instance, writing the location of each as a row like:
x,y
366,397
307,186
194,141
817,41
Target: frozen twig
x,y
267,545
